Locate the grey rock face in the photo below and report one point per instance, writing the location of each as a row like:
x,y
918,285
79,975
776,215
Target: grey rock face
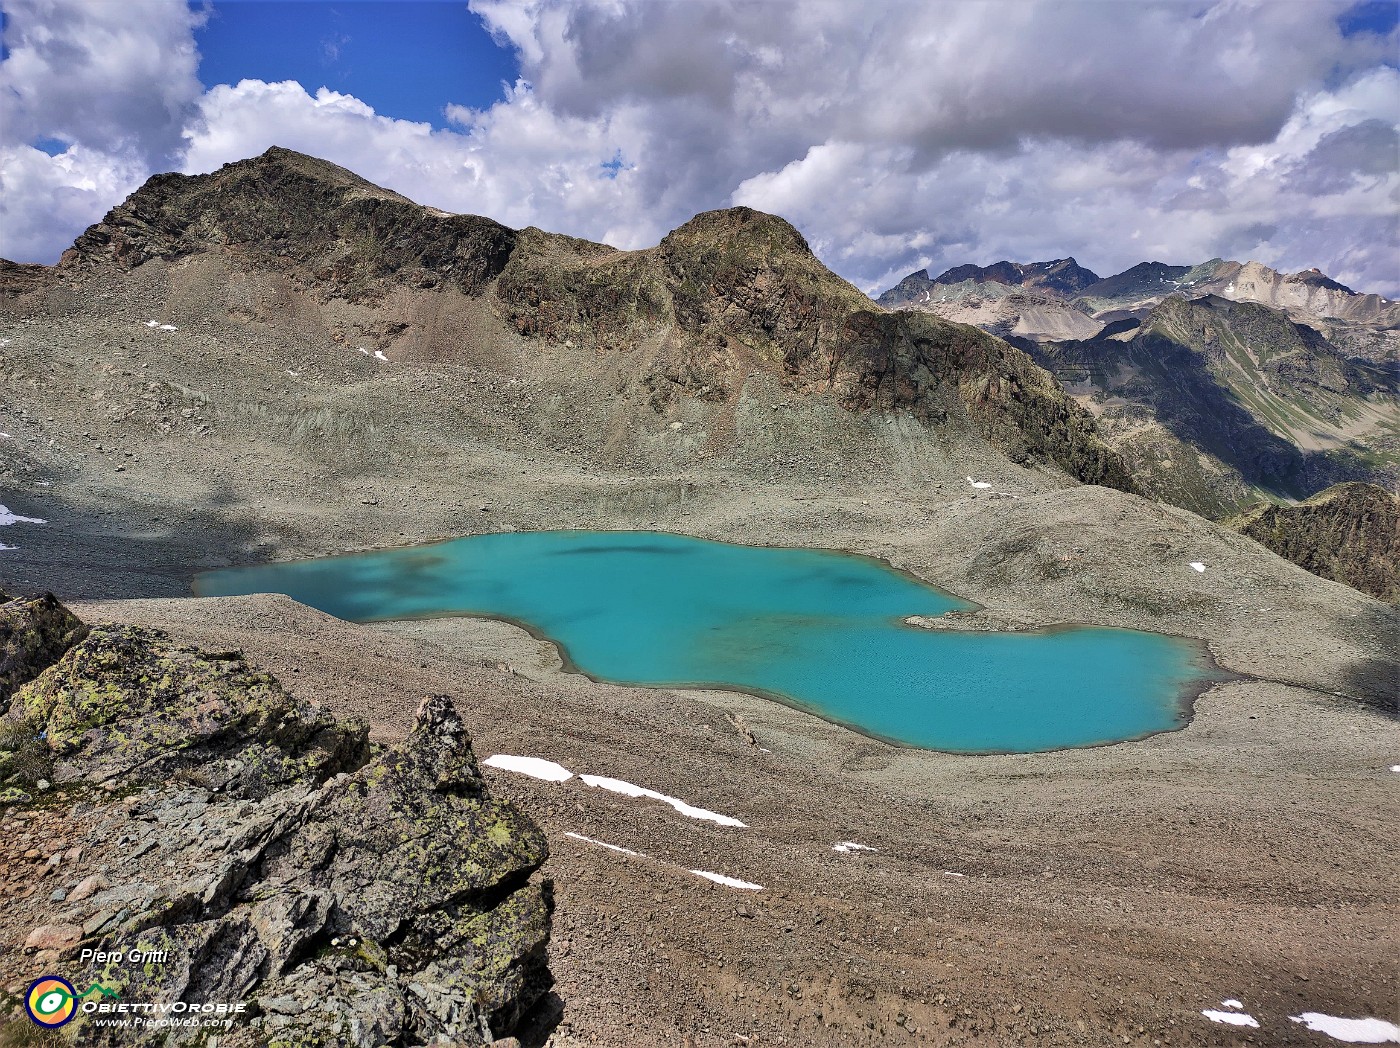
x,y
269,858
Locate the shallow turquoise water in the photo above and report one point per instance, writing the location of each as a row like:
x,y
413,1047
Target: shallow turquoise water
x,y
817,629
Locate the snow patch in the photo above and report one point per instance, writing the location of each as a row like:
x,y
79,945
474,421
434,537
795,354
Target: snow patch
x,y
1395,767
950,873
5,547
979,483
169,327
1232,1018
7,518
379,355
1198,566
732,882
535,767
850,846
363,350
627,789
1232,1003
153,323
603,844
1353,1031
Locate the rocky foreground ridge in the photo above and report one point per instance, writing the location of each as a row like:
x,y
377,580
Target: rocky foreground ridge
x,y
161,798
1349,533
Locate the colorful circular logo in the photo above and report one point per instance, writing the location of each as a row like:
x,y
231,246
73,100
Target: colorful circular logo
x,y
50,1001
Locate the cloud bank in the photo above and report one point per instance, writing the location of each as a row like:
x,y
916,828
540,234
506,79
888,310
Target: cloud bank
x,y
896,136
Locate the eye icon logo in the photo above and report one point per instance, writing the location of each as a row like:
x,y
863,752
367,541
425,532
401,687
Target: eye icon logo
x,y
50,1001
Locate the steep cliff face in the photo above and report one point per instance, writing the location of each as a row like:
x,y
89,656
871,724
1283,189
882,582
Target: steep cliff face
x,y
264,854
1349,533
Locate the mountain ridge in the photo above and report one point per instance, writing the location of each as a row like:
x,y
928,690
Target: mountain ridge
x,y
726,294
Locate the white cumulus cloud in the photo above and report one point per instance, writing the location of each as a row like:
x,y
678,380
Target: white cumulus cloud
x,y
896,136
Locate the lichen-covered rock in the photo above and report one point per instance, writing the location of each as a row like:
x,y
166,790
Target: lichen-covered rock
x,y
127,703
34,634
266,857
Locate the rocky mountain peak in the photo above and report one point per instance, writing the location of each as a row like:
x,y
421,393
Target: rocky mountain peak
x,y
302,216
757,229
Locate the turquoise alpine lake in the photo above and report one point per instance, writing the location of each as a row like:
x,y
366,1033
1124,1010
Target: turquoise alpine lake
x,y
819,630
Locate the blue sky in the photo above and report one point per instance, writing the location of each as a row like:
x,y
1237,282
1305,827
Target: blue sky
x,y
406,59
896,135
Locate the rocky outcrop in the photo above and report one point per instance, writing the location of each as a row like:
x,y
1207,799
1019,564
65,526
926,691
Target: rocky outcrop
x,y
737,290
306,217
1349,533
34,634
268,859
127,706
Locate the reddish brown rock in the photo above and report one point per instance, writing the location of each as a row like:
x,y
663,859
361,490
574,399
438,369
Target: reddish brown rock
x,y
53,937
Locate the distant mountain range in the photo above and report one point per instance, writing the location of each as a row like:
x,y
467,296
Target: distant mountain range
x,y
1217,383
1062,285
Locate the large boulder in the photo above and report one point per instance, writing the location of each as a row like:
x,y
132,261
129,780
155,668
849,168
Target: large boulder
x,y
34,634
128,704
264,855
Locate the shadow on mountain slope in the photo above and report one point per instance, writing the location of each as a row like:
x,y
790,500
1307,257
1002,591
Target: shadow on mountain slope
x,y
121,549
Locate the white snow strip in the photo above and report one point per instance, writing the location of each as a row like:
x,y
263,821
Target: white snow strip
x,y
169,327
603,844
153,323
4,342
1353,1031
979,483
379,355
294,374
1198,565
1231,1003
7,436
950,873
1233,1018
602,782
363,350
7,518
1395,767
535,767
850,846
4,547
732,882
